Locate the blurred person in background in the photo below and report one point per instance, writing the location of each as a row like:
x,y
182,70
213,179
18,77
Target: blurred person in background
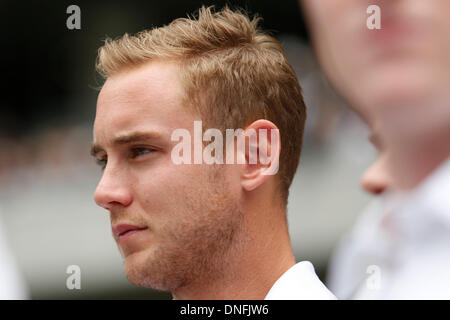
x,y
396,78
12,285
201,231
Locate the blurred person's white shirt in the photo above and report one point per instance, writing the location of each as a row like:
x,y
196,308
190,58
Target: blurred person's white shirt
x,y
12,285
400,246
299,282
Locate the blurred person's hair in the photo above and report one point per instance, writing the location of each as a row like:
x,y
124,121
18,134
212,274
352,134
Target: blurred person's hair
x,y
233,73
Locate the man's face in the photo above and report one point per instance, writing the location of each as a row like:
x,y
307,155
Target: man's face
x,y
408,59
186,214
396,78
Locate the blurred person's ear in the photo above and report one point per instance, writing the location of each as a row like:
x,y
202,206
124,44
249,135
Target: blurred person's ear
x,y
262,152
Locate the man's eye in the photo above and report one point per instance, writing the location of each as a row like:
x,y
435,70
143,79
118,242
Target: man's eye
x,y
136,152
101,163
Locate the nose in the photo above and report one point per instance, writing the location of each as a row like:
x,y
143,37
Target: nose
x,y
376,179
112,190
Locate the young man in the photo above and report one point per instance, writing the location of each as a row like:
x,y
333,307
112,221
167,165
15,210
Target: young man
x,y
200,230
396,78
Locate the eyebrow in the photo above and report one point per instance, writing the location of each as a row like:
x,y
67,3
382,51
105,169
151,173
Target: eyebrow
x,y
126,139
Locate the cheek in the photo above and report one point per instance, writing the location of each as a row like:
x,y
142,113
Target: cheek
x,y
443,46
334,26
165,189
154,192
320,9
231,179
332,13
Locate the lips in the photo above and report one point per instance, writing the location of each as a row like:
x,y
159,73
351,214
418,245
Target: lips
x,y
125,230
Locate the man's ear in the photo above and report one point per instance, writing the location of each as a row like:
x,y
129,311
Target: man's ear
x,y
262,151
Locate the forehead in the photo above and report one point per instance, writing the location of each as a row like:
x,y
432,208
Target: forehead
x,y
148,97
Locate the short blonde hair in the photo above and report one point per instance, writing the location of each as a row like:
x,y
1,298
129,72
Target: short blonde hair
x,y
233,74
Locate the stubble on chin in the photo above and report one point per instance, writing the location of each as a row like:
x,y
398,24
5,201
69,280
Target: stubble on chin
x,y
198,246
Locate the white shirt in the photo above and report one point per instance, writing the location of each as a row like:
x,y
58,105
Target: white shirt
x,y
400,246
12,285
300,282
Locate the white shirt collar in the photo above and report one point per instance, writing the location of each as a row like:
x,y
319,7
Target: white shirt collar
x,y
300,282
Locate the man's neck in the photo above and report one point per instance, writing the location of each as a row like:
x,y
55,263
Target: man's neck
x,y
418,139
262,255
